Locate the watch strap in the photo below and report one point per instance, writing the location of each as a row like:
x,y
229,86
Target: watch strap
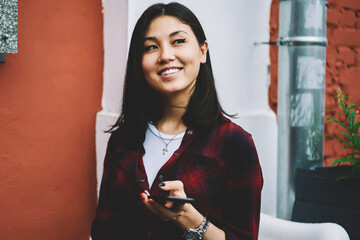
x,y
199,232
203,227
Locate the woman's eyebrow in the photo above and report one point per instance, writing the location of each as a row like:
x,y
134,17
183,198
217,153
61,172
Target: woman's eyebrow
x,y
177,32
170,35
150,39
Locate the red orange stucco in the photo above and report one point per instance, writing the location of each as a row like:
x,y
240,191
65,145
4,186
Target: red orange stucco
x,y
342,61
50,92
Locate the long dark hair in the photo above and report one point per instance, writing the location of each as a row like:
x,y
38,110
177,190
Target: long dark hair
x,y
142,104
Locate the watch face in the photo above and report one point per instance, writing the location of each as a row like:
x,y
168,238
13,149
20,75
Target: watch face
x,y
192,235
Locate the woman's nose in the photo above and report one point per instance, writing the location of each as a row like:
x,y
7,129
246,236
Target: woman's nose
x,y
166,55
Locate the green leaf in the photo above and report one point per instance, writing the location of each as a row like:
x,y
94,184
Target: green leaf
x,y
356,141
341,140
342,106
351,106
351,120
352,154
347,111
347,136
356,127
338,122
343,160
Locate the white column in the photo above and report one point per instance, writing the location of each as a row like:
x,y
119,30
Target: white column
x,y
115,54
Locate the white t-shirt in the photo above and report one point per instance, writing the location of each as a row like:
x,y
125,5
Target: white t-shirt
x,y
155,157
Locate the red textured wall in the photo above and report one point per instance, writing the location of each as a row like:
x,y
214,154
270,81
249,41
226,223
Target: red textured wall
x,y
49,95
342,61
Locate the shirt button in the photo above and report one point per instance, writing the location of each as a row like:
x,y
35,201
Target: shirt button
x,y
142,179
161,177
190,132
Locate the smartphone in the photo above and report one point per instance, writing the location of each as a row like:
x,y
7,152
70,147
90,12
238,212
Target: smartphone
x,y
172,199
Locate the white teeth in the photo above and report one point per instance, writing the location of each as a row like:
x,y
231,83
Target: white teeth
x,y
169,71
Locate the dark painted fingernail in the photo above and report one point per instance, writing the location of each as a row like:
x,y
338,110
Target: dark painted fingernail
x,y
151,202
162,184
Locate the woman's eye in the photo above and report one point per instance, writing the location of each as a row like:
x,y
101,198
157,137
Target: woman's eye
x,y
177,41
148,48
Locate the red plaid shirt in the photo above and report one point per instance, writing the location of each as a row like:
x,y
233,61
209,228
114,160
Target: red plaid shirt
x,y
219,168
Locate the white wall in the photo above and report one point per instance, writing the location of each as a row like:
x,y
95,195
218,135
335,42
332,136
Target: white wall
x,y
240,69
115,54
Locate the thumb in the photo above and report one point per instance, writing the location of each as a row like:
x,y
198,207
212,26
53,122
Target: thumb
x,y
175,187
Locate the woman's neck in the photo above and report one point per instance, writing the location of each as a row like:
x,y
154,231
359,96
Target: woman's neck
x,y
171,122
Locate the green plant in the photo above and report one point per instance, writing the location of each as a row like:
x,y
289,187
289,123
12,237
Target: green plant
x,y
349,136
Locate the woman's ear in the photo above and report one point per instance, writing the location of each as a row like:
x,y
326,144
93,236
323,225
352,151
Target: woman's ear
x,y
204,48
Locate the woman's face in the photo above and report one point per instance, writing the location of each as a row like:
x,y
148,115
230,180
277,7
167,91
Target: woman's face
x,y
172,56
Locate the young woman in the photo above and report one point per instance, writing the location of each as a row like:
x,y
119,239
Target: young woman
x,y
172,138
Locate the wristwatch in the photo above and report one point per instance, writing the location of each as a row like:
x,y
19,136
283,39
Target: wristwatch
x,y
198,233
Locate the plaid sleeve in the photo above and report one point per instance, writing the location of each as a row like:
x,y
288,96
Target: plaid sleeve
x,y
243,186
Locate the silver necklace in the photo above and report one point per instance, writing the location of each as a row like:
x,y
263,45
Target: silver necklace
x,y
165,150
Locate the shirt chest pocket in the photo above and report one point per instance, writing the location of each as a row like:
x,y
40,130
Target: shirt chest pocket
x,y
203,164
201,176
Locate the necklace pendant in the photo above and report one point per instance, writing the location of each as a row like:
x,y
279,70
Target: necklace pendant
x,y
164,150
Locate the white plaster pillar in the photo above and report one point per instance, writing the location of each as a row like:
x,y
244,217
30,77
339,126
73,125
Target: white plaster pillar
x,y
115,54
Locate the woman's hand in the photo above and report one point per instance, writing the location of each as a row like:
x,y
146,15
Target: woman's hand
x,y
184,215
170,211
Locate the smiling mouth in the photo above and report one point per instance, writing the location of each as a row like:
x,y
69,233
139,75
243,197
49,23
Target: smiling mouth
x,y
169,71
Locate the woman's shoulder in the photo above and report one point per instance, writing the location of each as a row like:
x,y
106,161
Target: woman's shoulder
x,y
228,142
232,131
234,138
239,147
117,142
225,136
